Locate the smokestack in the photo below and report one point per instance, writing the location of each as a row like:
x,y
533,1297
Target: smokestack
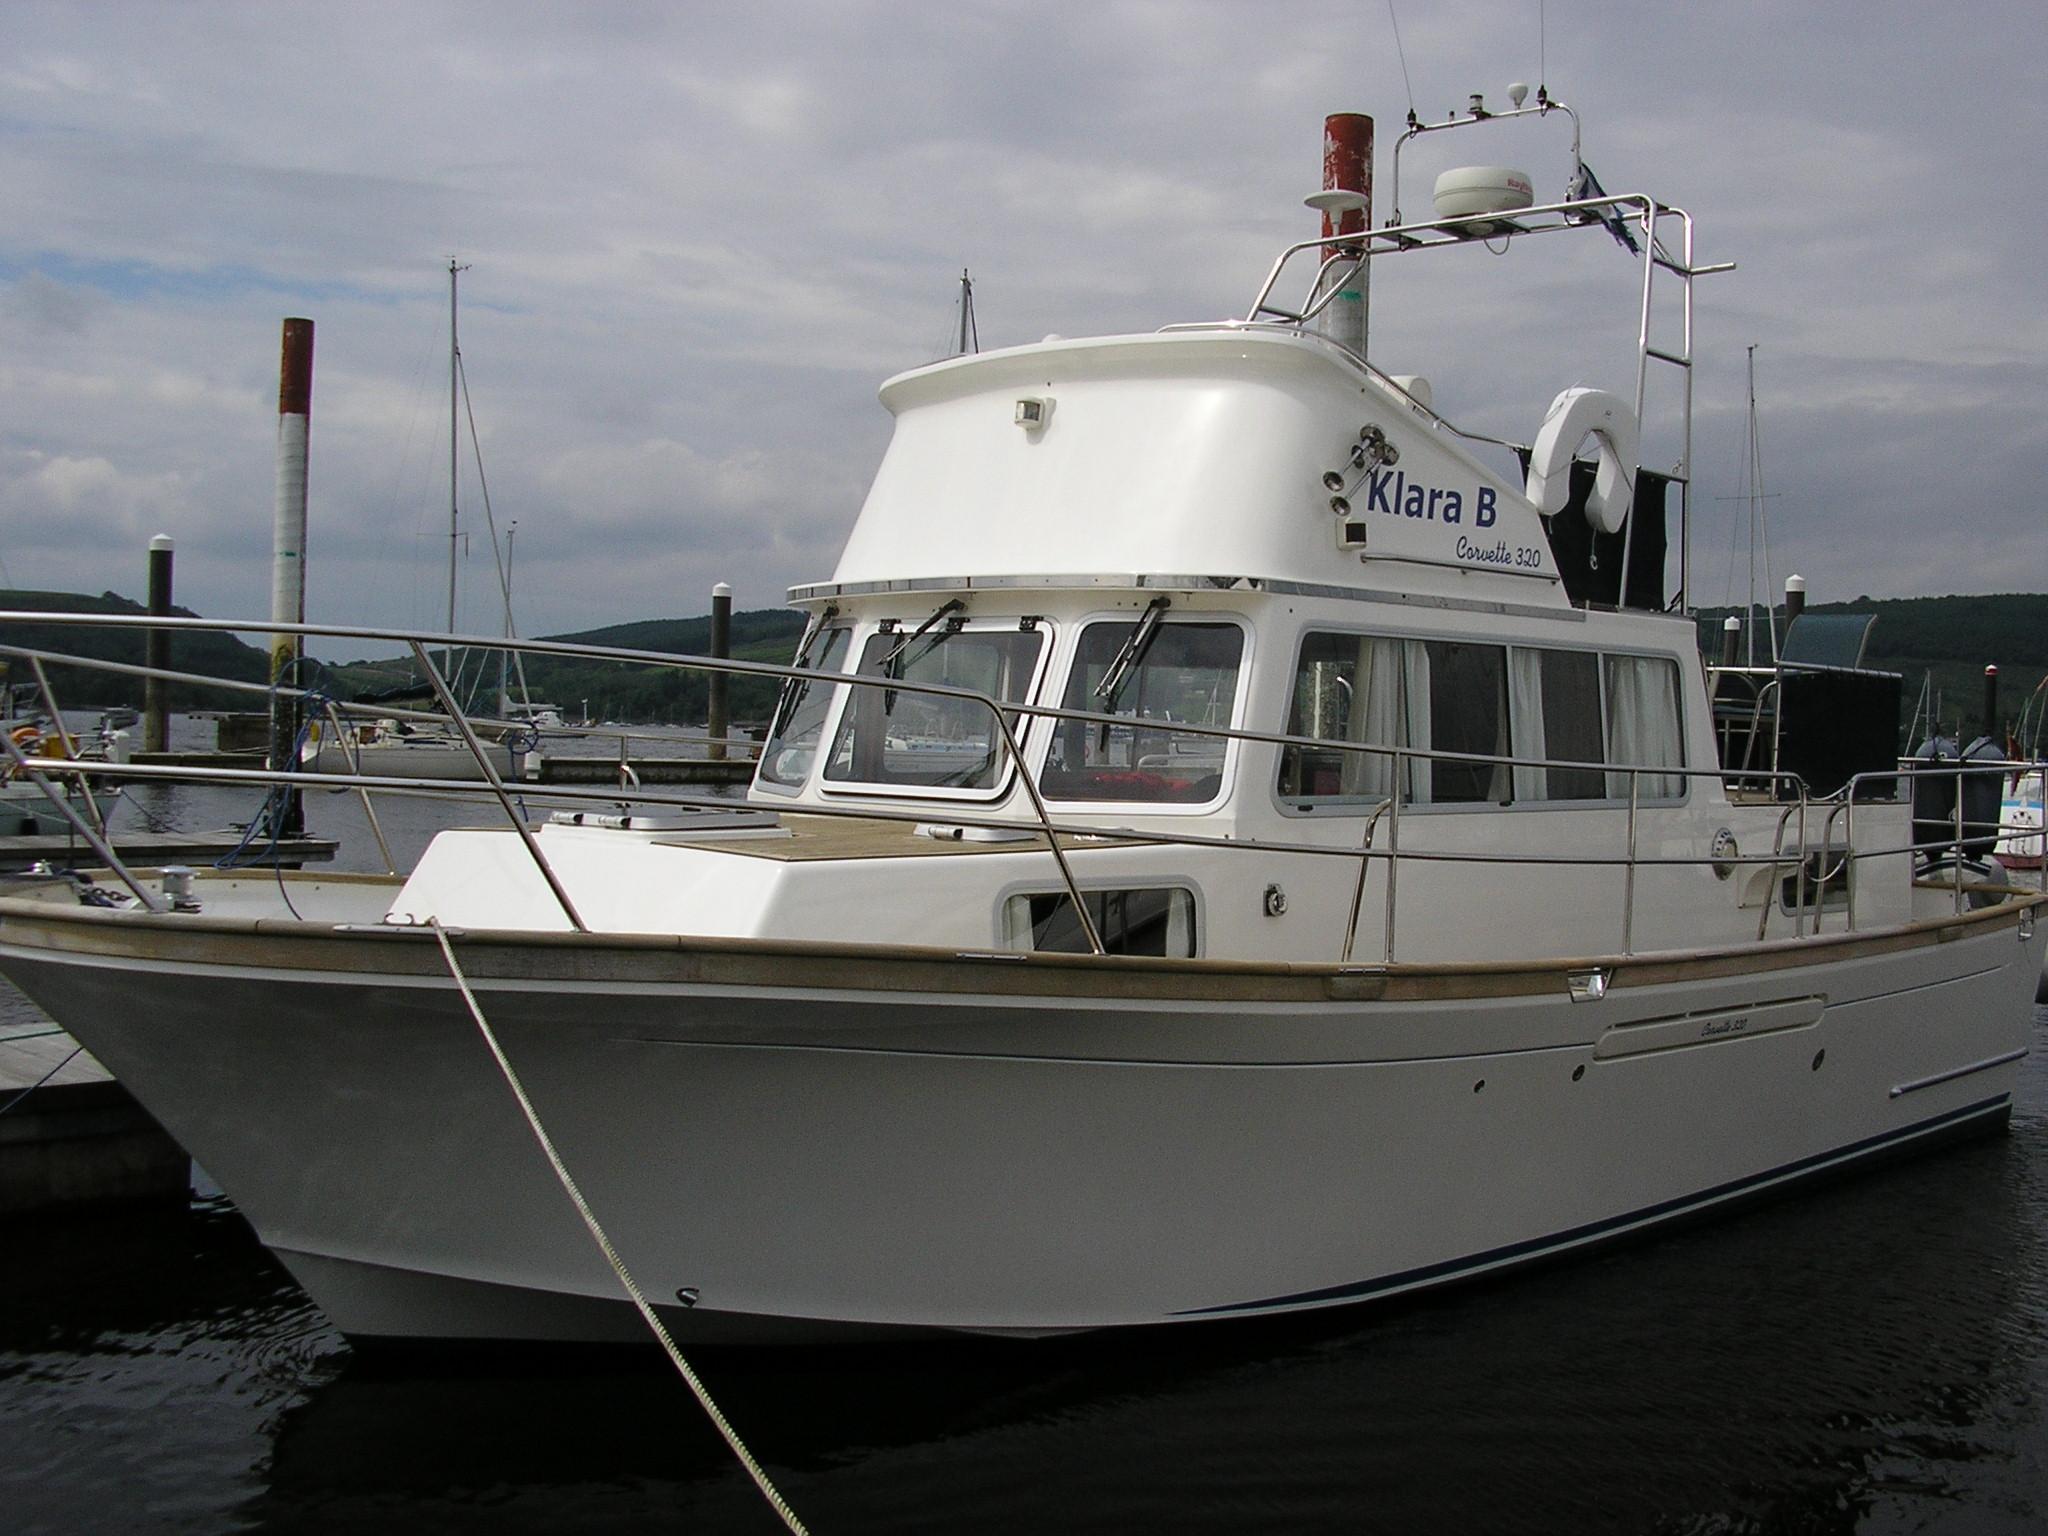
x,y
721,647
1347,167
288,553
156,650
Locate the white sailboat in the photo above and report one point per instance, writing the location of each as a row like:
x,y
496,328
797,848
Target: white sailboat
x,y
390,746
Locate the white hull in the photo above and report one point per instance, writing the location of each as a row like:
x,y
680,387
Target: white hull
x,y
434,760
840,1146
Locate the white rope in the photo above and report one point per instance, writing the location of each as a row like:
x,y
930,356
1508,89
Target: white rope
x,y
711,1409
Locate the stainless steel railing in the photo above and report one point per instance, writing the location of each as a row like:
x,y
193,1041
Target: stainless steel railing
x,y
1363,848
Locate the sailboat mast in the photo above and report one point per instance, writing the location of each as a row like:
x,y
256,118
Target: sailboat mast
x,y
454,476
970,337
504,656
1759,520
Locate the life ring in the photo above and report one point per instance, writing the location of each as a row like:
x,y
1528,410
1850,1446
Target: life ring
x,y
1574,416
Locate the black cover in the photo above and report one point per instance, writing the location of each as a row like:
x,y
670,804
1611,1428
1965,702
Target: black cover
x,y
1834,723
1590,562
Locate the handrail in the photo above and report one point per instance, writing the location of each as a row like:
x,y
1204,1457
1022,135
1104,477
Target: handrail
x,y
483,763
23,763
1364,868
1429,234
1042,821
64,735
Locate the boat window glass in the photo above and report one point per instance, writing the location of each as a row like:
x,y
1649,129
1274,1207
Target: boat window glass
x,y
1140,922
1351,689
1431,695
1468,712
1557,716
1187,675
800,717
897,736
1643,725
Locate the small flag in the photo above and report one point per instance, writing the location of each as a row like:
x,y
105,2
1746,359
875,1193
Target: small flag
x,y
1586,185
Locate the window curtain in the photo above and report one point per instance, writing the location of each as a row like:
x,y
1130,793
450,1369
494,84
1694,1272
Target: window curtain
x,y
1374,717
1497,783
1642,726
1526,736
1415,696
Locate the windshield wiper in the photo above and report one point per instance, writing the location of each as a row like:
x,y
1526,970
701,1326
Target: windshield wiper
x,y
889,661
893,664
794,688
1126,660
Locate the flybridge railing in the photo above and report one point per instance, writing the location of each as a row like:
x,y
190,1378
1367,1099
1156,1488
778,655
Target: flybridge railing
x,y
1791,857
1628,217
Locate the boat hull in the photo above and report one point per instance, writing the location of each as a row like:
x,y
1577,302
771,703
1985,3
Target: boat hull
x,y
430,761
816,1142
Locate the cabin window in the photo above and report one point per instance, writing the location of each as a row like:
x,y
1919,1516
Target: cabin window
x,y
1565,707
1468,712
1427,695
800,713
1557,717
1175,673
900,737
1643,726
1137,922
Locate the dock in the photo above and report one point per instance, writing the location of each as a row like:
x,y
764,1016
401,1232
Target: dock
x,y
248,759
151,850
78,1139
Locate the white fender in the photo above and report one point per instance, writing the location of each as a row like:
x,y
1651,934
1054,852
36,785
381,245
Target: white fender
x,y
1575,415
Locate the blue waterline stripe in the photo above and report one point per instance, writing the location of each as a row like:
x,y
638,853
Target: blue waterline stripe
x,y
1361,1289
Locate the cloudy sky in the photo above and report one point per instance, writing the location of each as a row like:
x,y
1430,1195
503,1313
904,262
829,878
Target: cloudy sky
x,y
699,235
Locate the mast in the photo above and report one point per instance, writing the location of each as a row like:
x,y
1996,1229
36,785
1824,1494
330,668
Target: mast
x,y
504,656
970,337
454,475
1759,527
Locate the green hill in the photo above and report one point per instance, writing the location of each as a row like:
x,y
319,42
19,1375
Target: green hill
x,y
215,655
616,690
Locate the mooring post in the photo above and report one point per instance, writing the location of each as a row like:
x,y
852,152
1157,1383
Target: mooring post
x,y
156,650
288,560
721,648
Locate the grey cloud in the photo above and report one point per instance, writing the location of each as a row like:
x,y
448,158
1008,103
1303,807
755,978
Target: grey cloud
x,y
702,235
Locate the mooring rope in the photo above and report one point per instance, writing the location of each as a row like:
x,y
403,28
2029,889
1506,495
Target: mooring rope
x,y
32,1087
604,1243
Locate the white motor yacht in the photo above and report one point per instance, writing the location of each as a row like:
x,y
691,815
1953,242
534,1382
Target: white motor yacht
x,y
1231,843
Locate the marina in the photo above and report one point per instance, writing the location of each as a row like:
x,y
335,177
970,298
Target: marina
x,y
1255,935
1166,848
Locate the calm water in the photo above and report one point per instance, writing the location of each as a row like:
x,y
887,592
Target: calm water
x,y
1868,1356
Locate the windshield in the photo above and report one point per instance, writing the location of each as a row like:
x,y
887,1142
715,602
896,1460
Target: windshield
x,y
1187,673
896,736
800,717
